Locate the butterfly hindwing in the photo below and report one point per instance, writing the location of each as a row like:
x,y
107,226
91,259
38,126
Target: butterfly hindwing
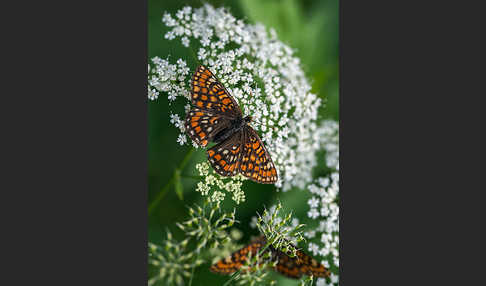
x,y
256,163
234,262
302,264
311,266
209,94
202,125
225,156
287,265
216,117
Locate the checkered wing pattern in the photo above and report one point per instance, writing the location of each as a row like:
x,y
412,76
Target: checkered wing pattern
x,y
302,264
256,163
292,267
203,125
216,116
225,156
233,262
209,94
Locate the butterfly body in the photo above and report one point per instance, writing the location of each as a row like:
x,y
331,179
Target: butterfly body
x,y
236,126
216,117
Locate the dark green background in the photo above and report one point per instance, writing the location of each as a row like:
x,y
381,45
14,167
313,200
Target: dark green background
x,y
311,28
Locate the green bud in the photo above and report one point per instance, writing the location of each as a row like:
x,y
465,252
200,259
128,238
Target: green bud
x,y
267,254
180,226
289,216
226,240
179,280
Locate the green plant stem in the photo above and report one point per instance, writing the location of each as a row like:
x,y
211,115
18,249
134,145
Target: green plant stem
x,y
192,177
193,267
193,54
164,190
232,278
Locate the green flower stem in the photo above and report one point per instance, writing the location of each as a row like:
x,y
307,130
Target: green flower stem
x,y
193,54
164,190
193,267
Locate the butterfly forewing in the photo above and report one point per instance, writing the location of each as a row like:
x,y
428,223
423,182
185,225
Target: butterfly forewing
x,y
216,116
225,156
256,163
209,94
203,125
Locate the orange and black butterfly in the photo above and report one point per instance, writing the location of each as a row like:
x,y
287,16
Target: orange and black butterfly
x,y
292,267
216,117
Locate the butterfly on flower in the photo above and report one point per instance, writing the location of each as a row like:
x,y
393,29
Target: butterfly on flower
x,y
216,117
292,267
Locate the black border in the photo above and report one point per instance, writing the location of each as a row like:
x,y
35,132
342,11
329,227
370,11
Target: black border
x,y
76,149
408,132
77,154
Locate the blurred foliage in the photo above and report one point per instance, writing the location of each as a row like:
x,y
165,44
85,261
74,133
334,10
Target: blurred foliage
x,y
310,27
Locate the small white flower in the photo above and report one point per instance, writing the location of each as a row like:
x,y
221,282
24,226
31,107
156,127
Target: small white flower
x,y
313,202
334,278
321,282
203,168
185,41
310,234
217,197
203,188
181,139
324,182
201,55
313,248
172,96
324,211
313,213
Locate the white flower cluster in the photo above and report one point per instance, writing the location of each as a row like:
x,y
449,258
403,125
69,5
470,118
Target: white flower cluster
x,y
324,204
212,179
327,136
168,78
324,207
260,72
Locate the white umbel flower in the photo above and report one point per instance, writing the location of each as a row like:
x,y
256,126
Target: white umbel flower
x,y
323,206
259,71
